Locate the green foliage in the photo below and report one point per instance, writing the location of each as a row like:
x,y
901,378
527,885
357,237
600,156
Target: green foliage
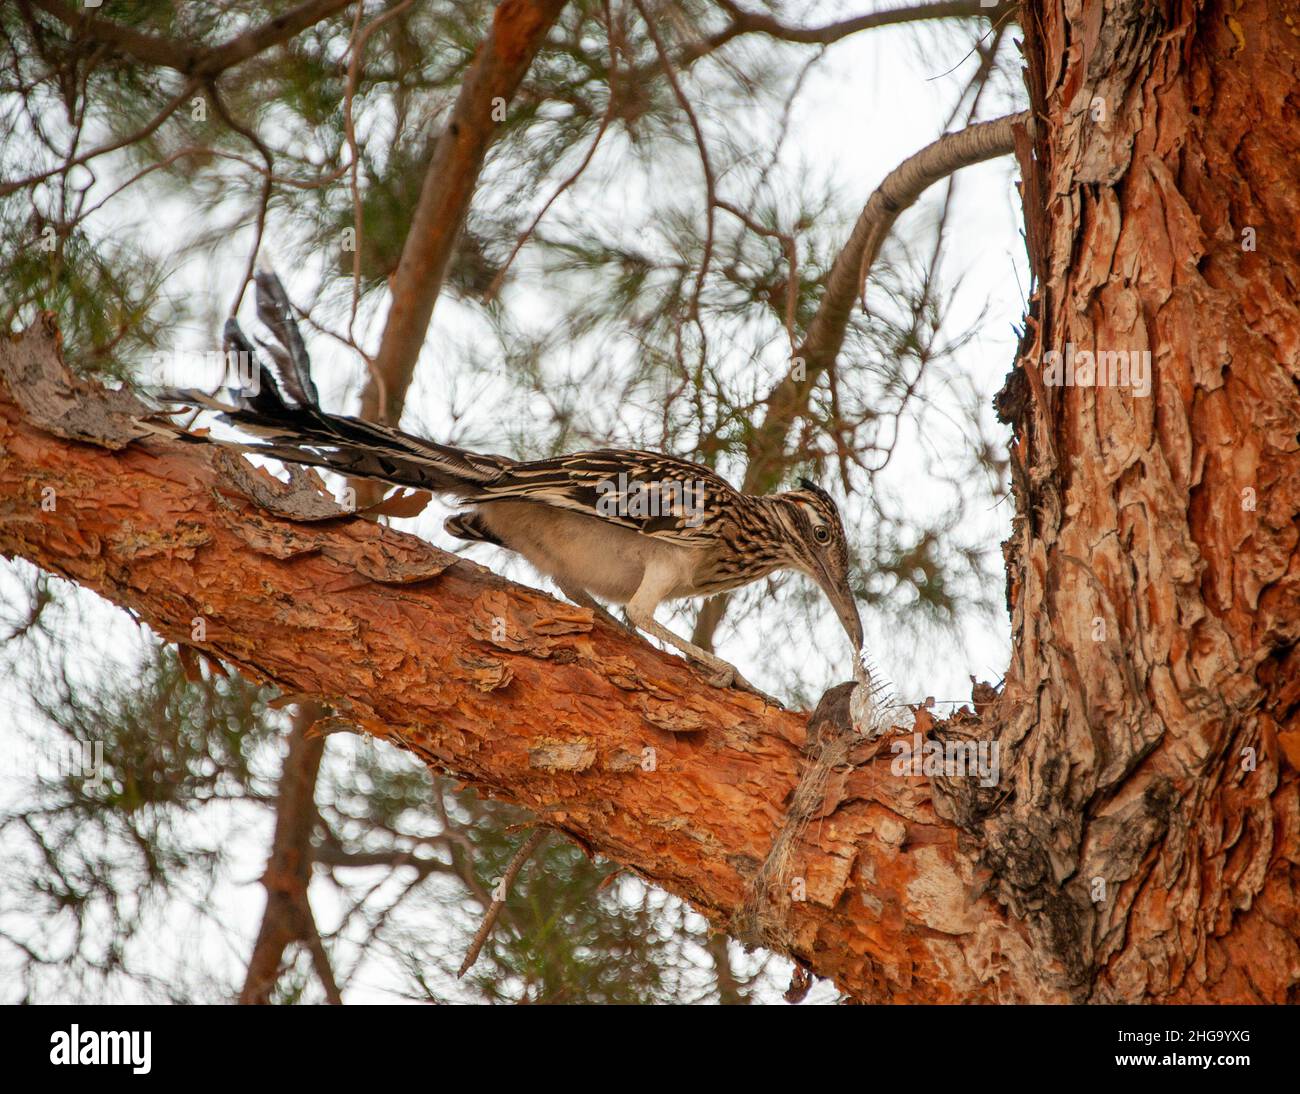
x,y
126,768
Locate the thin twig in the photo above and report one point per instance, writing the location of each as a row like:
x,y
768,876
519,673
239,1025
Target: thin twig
x,y
498,902
268,184
140,134
318,326
710,183
975,48
787,242
218,153
745,22
356,51
606,118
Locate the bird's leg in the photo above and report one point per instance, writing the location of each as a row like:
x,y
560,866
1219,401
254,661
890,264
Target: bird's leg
x,y
585,600
724,675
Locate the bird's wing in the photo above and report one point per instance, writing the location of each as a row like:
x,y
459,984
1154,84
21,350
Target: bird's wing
x,y
658,496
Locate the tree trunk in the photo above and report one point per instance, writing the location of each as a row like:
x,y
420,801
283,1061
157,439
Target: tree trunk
x,y
1142,843
1150,712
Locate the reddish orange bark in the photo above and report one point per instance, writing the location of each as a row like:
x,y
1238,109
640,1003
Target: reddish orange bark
x,y
1151,707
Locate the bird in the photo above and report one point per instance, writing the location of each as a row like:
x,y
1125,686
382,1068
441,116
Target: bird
x,y
627,527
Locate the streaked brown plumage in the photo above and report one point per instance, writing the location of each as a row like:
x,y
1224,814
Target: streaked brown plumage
x,y
619,525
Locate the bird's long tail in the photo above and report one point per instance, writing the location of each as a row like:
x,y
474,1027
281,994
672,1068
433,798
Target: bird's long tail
x,y
281,409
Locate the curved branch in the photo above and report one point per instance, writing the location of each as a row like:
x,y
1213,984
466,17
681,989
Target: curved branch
x,y
155,49
788,400
745,22
900,190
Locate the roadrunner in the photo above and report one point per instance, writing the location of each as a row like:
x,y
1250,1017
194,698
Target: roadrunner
x,y
620,525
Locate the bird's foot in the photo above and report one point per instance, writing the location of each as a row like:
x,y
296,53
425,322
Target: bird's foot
x,y
718,672
726,676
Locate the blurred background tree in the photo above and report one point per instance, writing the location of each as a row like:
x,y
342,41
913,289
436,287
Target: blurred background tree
x,y
648,243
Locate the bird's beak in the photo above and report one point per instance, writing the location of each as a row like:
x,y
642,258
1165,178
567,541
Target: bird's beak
x,y
841,598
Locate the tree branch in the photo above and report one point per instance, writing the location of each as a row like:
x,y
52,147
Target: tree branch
x,y
155,49
519,27
499,901
788,400
900,190
623,748
148,129
288,917
745,22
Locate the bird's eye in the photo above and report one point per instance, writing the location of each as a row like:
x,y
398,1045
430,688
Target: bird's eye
x,y
821,535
